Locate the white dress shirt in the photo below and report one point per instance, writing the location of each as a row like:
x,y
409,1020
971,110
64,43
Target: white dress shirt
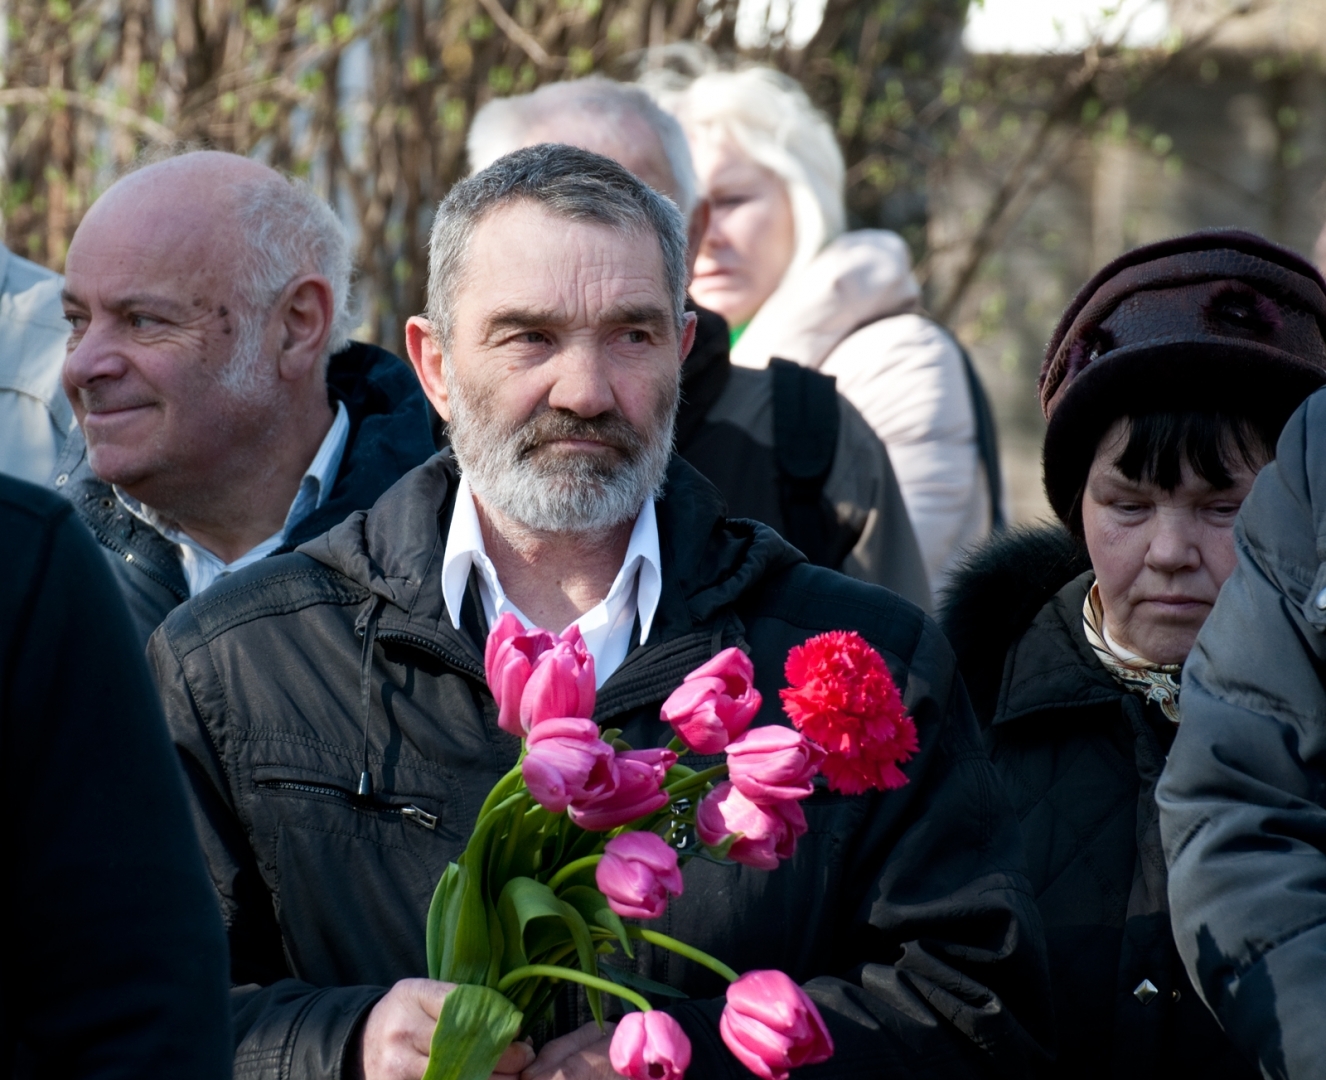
x,y
201,568
606,627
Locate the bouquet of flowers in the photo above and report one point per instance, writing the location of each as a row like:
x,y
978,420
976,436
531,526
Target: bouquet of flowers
x,y
585,833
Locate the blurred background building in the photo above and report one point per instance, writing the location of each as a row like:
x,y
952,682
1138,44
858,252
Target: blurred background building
x,y
1016,144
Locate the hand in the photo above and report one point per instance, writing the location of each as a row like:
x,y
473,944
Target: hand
x,y
396,1037
582,1055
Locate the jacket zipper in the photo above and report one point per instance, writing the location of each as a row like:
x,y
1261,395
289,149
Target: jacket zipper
x,y
138,561
410,812
462,664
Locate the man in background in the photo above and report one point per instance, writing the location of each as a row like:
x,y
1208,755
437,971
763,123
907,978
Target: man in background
x,y
223,412
35,416
780,443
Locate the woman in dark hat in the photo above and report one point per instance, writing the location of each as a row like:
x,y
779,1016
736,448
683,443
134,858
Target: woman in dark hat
x,y
1165,388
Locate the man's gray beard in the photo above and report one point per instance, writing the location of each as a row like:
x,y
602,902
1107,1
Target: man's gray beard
x,y
563,493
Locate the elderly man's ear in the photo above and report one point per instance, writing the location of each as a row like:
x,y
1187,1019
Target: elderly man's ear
x,y
305,315
426,359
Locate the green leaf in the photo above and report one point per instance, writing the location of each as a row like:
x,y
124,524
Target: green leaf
x,y
446,887
535,920
593,908
639,982
475,1026
466,953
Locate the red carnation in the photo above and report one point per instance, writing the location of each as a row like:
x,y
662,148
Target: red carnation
x,y
841,695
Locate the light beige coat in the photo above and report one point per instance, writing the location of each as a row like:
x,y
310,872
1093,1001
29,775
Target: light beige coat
x,y
854,312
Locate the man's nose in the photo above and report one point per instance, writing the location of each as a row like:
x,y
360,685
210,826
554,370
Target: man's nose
x,y
580,381
93,355
1175,544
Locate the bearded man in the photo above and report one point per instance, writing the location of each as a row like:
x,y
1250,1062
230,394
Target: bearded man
x,y
331,712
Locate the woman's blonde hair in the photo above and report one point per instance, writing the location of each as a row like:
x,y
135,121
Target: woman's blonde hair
x,y
768,115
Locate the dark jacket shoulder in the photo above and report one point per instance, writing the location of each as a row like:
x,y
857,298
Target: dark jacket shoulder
x,y
388,436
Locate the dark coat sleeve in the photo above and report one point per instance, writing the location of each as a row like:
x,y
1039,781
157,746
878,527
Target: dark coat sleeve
x,y
284,1029
942,968
115,960
1241,798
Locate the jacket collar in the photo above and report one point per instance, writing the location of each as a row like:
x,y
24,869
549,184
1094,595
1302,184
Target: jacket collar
x,y
388,436
705,374
1052,665
395,551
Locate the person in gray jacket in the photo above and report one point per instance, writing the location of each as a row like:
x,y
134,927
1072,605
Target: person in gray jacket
x,y
1243,796
35,416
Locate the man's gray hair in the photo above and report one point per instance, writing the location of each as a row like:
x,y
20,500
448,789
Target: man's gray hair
x,y
504,124
290,230
568,183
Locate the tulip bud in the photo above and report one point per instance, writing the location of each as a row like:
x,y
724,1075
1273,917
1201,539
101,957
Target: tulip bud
x,y
509,656
566,761
773,763
650,1046
639,774
764,834
561,684
715,703
637,872
771,1026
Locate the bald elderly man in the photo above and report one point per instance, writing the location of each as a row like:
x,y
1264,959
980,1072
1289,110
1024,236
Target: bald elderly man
x,y
780,443
223,413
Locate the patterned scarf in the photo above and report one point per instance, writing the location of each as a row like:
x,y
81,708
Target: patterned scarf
x,y
1155,682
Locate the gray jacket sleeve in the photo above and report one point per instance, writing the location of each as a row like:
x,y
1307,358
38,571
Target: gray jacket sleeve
x,y
862,481
285,1029
1243,797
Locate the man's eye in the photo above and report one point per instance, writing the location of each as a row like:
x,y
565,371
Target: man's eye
x,y
637,337
75,320
138,322
533,337
728,202
1130,507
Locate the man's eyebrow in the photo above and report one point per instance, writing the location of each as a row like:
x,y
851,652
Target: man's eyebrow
x,y
505,319
638,315
152,301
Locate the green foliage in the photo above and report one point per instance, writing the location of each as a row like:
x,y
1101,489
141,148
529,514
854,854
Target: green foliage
x,y
475,1026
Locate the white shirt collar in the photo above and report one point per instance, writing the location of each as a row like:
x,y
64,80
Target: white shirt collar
x,y
606,627
201,568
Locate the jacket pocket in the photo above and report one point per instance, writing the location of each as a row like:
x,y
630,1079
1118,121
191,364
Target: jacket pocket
x,y
351,878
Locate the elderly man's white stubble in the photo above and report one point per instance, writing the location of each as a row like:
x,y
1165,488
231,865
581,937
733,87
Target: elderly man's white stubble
x,y
151,370
567,317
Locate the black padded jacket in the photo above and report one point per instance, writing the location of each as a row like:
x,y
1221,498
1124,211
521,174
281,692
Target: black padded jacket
x,y
1079,757
907,914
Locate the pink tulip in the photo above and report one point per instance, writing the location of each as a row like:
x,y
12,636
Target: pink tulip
x,y
568,761
765,833
637,872
771,1026
561,684
650,1046
715,703
639,773
773,763
509,656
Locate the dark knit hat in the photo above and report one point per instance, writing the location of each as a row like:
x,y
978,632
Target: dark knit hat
x,y
1216,321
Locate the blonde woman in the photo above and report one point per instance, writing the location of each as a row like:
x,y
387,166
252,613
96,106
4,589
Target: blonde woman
x,y
776,262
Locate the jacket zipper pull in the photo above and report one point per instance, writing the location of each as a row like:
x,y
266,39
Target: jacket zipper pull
x,y
419,817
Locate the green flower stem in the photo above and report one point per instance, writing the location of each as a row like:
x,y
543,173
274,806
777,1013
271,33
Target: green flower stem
x,y
534,971
571,868
503,788
681,949
678,747
686,784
